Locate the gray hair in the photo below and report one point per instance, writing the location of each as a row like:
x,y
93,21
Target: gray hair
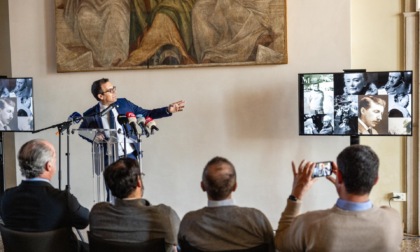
x,y
33,156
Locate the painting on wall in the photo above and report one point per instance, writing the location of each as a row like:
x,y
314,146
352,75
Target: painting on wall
x,y
94,35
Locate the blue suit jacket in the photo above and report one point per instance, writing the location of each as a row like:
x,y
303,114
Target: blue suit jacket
x,y
92,119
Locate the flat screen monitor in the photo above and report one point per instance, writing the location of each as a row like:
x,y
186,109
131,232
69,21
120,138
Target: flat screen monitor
x,y
356,103
16,104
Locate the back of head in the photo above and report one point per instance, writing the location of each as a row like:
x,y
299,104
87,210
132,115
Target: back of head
x,y
219,178
96,87
121,177
33,156
359,167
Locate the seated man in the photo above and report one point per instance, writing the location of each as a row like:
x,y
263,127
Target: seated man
x,y
353,224
132,218
222,225
35,205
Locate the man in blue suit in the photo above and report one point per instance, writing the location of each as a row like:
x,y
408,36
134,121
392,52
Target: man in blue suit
x,y
95,118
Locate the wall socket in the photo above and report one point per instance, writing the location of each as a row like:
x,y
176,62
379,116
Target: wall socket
x,y
398,196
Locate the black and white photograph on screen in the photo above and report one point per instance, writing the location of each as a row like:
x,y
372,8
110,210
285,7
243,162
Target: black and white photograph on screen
x,y
318,125
22,87
399,105
399,126
345,114
373,116
4,88
19,93
354,84
8,120
318,93
392,83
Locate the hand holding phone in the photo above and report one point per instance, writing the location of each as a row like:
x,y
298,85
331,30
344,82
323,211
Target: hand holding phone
x,y
322,169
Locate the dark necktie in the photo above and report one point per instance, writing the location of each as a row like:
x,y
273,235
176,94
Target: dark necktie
x,y
370,131
111,120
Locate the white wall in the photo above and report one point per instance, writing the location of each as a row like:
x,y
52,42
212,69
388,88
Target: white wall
x,y
376,45
247,114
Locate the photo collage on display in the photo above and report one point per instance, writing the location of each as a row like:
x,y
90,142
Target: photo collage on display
x,y
355,103
16,104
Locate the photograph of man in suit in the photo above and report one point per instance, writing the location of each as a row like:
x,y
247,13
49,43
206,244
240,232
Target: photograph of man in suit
x,y
7,113
371,109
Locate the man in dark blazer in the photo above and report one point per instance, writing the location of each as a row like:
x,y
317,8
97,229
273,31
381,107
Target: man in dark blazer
x,y
95,118
35,205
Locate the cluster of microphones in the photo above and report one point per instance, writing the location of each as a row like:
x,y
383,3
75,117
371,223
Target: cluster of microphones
x,y
138,123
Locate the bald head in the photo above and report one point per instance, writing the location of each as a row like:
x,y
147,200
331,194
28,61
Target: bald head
x,y
219,179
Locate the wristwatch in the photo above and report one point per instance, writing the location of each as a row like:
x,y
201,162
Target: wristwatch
x,y
293,198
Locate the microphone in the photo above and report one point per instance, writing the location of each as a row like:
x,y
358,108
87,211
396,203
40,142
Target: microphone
x,y
142,122
151,125
131,117
103,112
122,119
75,117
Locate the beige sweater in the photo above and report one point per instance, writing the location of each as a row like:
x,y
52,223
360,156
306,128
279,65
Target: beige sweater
x,y
376,229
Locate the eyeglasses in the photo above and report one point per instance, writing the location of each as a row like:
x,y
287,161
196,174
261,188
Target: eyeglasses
x,y
111,90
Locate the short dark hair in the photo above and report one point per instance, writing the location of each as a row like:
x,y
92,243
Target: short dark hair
x,y
32,157
359,167
366,101
121,177
96,87
219,187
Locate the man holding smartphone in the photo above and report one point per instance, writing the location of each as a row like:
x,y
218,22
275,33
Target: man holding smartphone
x,y
353,223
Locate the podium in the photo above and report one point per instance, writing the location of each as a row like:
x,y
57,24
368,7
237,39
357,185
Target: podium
x,y
105,146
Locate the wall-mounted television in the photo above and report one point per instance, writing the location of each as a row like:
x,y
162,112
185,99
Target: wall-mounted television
x,y
356,103
16,104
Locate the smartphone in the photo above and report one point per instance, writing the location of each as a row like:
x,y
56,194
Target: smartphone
x,y
322,169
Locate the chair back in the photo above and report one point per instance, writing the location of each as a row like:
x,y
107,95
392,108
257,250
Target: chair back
x,y
97,244
50,241
186,247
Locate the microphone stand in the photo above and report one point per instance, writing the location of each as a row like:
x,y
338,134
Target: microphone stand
x,y
138,139
124,125
61,128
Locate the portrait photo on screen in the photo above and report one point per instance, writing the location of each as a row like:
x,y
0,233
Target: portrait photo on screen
x,y
355,103
16,104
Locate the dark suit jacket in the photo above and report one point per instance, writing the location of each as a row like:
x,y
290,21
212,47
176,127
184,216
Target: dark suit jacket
x,y
37,206
363,131
92,119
